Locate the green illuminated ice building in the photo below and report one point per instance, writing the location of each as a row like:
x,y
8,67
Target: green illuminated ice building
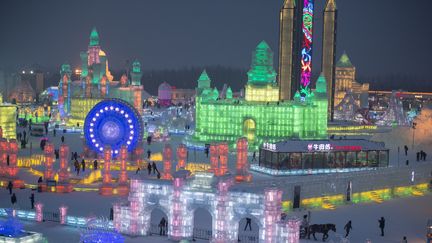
x,y
261,115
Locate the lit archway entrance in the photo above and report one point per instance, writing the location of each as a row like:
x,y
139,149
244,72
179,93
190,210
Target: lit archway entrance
x,y
203,223
158,222
248,230
249,129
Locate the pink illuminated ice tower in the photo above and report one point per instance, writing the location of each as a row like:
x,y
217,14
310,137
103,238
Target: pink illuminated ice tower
x,y
123,187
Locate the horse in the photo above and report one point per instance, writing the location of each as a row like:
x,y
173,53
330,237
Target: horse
x,y
321,228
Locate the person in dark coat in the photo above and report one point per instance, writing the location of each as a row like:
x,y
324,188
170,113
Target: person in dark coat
x,y
162,224
137,170
406,150
149,168
148,154
248,223
13,199
418,156
62,139
95,164
382,225
154,168
348,228
111,214
9,187
32,200
83,165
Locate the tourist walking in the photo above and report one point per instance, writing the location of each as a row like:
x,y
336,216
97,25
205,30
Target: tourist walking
x,y
62,139
95,164
382,225
32,200
149,168
348,228
9,187
248,223
154,168
406,150
83,165
13,199
404,240
162,224
148,154
254,156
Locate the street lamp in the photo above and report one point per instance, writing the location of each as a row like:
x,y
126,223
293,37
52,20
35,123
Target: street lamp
x,y
414,124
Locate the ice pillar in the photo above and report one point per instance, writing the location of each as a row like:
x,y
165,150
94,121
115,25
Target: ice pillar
x,y
181,156
107,189
272,212
123,188
242,173
63,174
223,159
49,160
167,158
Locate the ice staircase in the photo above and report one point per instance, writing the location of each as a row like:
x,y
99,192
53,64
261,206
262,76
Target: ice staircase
x,y
376,197
326,204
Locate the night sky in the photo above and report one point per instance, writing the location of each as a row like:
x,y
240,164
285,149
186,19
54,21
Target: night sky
x,y
381,37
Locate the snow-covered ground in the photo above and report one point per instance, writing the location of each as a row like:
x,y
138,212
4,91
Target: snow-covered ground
x,y
404,217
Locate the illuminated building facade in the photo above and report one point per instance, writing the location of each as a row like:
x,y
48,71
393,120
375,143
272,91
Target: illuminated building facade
x,y
96,82
260,116
329,51
345,82
8,120
295,157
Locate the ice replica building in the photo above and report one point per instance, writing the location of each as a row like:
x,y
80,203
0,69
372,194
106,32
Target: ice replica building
x,y
76,98
261,115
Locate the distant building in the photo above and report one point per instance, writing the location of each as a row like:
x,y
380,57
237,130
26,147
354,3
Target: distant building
x,y
346,82
22,93
164,94
182,96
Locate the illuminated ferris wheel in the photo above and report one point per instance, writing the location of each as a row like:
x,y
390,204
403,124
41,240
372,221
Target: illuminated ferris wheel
x,y
114,123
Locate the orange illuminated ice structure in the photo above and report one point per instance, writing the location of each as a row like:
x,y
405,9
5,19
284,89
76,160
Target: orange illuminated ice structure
x,y
103,84
123,187
4,150
219,159
63,184
12,169
214,161
139,156
107,188
49,160
167,158
242,173
181,156
138,99
223,159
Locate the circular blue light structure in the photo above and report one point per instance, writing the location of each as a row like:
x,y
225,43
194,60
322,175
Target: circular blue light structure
x,y
113,122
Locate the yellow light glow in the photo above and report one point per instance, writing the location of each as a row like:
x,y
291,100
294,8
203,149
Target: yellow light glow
x,y
267,93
